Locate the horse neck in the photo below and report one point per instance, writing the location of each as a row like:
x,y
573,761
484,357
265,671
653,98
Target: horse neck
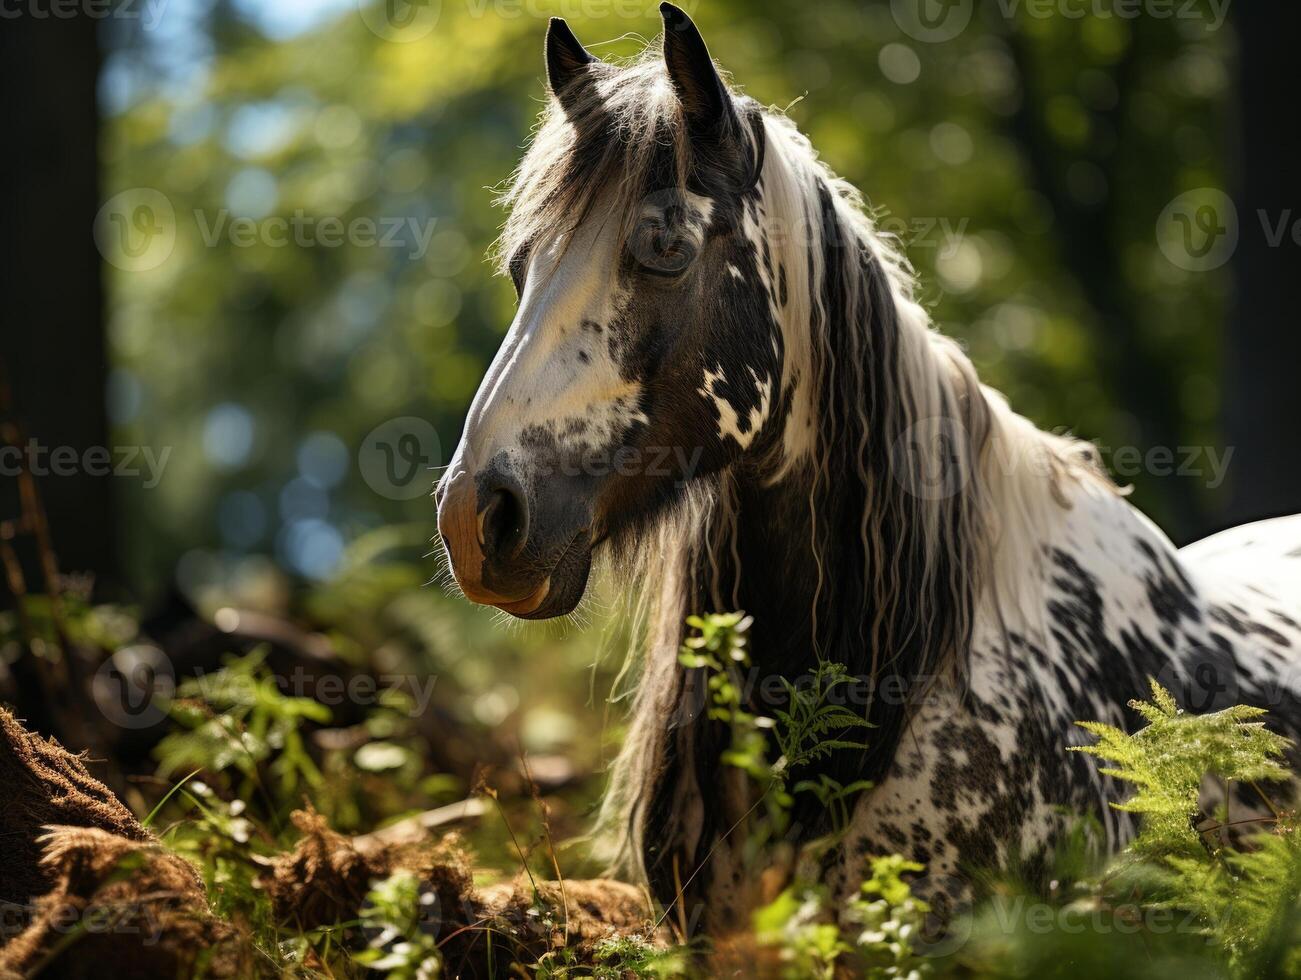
x,y
766,568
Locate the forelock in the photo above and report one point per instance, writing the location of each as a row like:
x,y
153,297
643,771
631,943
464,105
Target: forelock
x,y
616,140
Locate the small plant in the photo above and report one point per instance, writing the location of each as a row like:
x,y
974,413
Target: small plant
x,y
395,914
719,647
1170,758
237,719
1244,890
813,726
810,728
624,957
796,925
801,926
615,958
891,918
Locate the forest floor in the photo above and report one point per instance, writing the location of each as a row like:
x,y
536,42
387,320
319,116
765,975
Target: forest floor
x,y
189,794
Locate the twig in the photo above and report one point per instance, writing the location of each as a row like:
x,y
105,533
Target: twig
x,y
412,828
492,794
712,848
1268,802
1236,823
546,829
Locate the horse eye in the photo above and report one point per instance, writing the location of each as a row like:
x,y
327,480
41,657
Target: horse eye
x,y
659,250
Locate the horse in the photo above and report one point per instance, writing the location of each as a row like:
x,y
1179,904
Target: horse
x,y
720,382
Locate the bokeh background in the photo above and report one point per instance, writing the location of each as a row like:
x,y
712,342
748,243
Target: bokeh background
x,y
1028,156
1063,175
244,305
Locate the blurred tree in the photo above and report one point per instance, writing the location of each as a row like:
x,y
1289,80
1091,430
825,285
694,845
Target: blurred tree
x,y
1084,189
52,345
1262,407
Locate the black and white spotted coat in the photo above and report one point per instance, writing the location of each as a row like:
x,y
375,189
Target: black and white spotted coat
x,y
985,781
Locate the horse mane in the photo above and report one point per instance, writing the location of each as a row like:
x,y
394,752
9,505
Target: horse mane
x,y
925,492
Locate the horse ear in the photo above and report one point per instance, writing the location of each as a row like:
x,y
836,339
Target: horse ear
x,y
705,101
567,59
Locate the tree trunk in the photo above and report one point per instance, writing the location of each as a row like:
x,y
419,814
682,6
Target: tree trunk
x,y
52,343
1262,389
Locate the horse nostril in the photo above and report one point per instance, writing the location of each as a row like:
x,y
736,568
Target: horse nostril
x,y
503,524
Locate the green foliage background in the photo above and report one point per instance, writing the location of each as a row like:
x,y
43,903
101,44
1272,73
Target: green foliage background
x,y
1023,133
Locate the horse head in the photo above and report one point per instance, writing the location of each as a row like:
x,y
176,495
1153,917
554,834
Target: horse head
x,y
644,353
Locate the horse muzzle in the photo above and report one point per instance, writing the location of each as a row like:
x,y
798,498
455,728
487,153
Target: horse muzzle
x,y
527,552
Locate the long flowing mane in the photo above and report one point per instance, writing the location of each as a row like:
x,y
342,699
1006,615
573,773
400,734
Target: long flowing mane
x,y
919,492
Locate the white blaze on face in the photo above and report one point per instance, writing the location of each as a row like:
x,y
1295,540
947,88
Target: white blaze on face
x,y
729,420
554,369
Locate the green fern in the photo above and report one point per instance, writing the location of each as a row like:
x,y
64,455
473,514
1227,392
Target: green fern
x,y
1169,759
1244,894
815,726
810,728
1247,901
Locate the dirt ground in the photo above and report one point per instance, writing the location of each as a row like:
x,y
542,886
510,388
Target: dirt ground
x,y
90,892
